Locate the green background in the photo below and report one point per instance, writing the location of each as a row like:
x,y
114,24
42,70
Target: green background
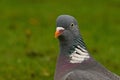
x,y
28,49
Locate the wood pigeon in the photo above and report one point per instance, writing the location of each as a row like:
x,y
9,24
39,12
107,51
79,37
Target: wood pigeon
x,y
74,61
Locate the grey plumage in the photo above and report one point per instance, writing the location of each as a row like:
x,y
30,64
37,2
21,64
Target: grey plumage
x,y
74,61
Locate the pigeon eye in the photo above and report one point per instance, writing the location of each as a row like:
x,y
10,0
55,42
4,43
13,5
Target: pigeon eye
x,y
72,24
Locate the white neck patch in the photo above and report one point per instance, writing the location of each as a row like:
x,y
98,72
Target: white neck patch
x,y
79,55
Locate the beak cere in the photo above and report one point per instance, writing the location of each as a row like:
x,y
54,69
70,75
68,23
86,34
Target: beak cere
x,y
59,31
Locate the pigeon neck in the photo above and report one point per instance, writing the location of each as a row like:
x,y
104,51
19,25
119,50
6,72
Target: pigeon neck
x,y
66,45
74,51
68,50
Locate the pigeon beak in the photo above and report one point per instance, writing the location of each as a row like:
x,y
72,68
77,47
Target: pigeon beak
x,y
59,31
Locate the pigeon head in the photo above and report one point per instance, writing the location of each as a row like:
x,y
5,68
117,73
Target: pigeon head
x,y
71,42
66,27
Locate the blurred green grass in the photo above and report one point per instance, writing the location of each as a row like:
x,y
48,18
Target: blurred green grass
x,y
28,49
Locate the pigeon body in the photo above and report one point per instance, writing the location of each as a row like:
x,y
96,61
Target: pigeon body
x,y
74,61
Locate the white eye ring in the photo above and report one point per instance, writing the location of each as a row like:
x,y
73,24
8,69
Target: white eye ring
x,y
72,24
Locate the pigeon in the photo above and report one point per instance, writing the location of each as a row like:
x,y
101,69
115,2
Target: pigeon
x,y
74,61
